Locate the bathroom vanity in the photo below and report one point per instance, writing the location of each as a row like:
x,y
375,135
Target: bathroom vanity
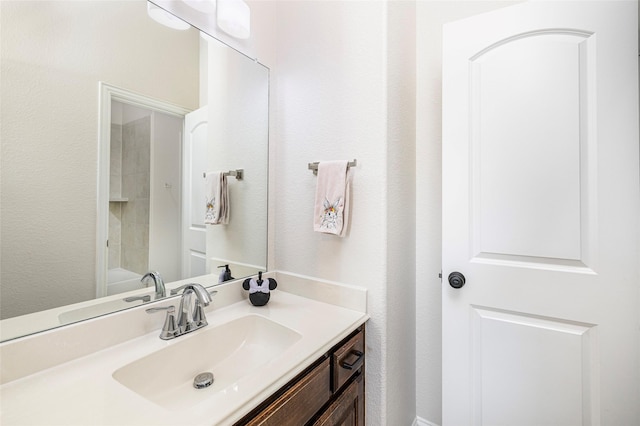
x,y
299,359
329,392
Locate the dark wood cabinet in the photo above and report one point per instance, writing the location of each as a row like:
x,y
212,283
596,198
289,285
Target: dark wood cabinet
x,y
330,392
348,408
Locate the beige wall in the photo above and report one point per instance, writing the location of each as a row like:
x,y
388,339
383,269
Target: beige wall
x,y
50,131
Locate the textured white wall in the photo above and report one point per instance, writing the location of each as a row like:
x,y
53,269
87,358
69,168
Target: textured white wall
x,y
401,217
330,105
49,132
343,89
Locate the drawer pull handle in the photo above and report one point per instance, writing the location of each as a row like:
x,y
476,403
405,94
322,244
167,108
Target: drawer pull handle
x,y
349,365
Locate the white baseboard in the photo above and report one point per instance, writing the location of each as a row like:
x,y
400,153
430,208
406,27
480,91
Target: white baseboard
x,y
422,422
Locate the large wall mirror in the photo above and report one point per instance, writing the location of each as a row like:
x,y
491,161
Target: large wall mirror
x,y
109,123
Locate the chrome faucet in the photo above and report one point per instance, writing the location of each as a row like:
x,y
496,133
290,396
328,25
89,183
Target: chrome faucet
x,y
191,314
159,283
189,318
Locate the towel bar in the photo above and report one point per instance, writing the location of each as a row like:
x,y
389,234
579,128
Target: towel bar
x,y
314,166
238,173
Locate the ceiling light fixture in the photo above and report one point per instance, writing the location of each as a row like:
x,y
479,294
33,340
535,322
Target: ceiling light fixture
x,y
234,18
204,6
165,18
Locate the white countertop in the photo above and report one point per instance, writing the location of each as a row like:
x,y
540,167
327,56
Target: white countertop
x,y
82,391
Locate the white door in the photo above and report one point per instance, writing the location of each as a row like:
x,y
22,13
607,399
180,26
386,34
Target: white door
x,y
540,214
164,197
193,227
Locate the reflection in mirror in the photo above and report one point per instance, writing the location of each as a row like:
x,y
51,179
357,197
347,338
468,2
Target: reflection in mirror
x,y
109,121
139,175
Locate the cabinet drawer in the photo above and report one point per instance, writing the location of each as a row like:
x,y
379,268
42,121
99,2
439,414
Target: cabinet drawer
x,y
346,360
299,403
348,408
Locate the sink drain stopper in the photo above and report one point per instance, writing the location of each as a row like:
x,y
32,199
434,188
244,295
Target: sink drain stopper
x,y
203,380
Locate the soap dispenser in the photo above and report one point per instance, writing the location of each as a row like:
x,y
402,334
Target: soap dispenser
x,y
225,275
259,290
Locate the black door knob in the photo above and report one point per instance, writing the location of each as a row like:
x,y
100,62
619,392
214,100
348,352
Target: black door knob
x,y
456,280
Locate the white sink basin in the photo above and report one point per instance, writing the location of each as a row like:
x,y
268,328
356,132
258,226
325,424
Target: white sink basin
x,y
230,351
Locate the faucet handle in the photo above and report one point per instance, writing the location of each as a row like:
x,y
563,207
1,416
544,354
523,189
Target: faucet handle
x,y
169,328
145,298
199,317
170,309
177,290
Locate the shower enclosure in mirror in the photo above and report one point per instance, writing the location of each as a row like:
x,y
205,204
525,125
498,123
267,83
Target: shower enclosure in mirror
x,y
99,179
144,144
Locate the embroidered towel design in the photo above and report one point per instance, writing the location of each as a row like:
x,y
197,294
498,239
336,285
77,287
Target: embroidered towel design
x,y
216,199
331,211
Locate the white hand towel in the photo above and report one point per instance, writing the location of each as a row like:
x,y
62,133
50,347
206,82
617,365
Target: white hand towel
x,y
331,210
216,199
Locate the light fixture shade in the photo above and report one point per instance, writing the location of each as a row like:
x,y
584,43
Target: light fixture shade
x,y
165,18
204,6
234,18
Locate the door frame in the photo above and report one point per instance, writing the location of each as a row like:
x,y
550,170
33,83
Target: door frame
x,y
106,94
